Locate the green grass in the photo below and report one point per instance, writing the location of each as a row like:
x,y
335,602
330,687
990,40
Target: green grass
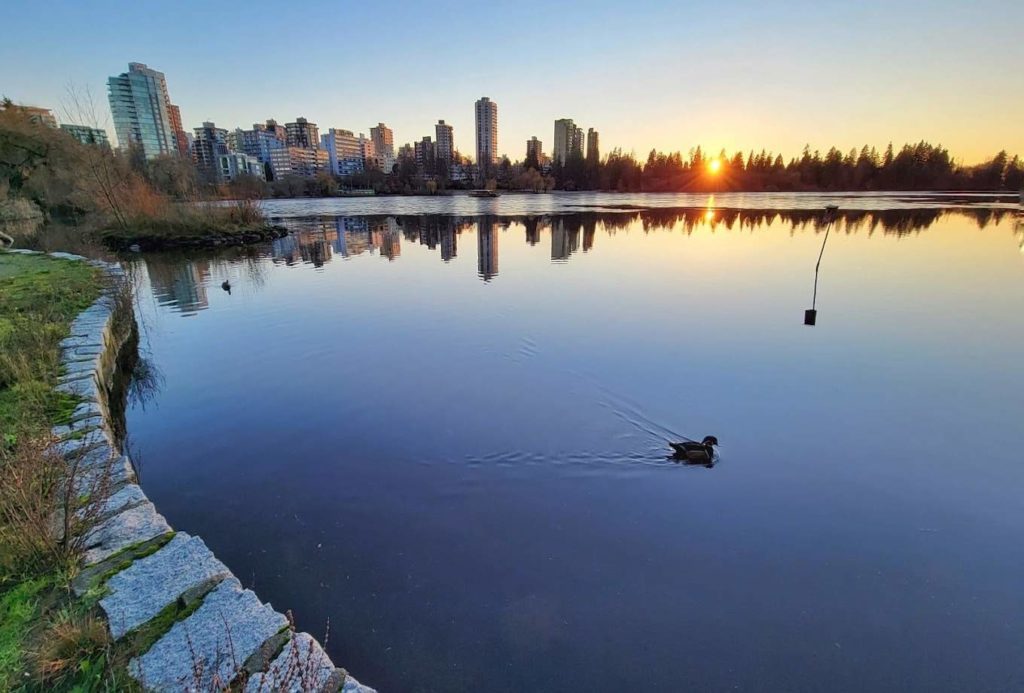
x,y
39,297
29,613
57,639
19,611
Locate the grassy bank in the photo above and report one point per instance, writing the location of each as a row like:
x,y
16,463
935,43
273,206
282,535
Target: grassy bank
x,y
39,297
48,639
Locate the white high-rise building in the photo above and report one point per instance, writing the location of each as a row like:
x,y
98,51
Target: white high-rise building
x,y
347,153
486,134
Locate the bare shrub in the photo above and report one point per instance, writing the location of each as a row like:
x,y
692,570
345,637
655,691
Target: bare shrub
x,y
48,506
141,202
107,176
244,212
31,475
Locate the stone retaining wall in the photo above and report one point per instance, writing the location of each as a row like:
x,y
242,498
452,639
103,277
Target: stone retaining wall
x,y
194,624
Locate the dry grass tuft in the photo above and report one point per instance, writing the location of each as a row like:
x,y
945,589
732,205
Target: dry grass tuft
x,y
156,213
69,639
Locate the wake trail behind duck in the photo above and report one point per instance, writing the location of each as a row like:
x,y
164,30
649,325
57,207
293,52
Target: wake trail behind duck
x,y
619,405
631,413
564,458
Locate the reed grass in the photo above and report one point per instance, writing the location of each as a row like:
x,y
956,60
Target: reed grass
x,y
152,216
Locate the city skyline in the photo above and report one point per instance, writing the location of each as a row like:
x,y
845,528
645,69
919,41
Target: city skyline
x,y
295,151
673,78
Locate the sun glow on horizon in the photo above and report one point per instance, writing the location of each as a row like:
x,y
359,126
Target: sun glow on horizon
x,y
714,166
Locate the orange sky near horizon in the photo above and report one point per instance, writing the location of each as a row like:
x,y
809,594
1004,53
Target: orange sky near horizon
x,y
664,75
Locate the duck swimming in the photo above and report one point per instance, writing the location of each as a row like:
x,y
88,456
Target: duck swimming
x,y
692,452
226,286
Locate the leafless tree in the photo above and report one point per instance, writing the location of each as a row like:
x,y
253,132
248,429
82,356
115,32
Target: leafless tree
x,y
108,175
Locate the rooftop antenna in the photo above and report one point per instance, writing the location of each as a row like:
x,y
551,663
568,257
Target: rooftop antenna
x,y
811,314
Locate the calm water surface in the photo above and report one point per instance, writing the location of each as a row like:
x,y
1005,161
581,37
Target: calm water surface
x,y
445,435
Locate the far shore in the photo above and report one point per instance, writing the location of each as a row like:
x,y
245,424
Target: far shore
x,y
1010,195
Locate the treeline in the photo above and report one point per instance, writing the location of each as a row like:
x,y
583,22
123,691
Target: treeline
x,y
920,166
325,184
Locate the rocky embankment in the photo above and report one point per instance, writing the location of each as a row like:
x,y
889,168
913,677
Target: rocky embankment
x,y
165,595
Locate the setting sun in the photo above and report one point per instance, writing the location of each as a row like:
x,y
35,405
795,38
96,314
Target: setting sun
x,y
714,166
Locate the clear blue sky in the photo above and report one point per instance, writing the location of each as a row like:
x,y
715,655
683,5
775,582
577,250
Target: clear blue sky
x,y
669,75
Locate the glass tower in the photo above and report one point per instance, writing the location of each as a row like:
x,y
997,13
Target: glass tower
x,y
142,111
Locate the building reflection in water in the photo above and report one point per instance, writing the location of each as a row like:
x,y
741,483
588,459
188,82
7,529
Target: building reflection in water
x,y
486,249
532,225
589,231
181,284
449,243
182,280
386,237
565,237
339,244
317,241
305,246
354,233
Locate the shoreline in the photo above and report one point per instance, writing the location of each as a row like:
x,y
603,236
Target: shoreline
x,y
122,241
666,193
163,593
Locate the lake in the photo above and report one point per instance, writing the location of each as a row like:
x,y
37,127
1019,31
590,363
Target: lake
x,y
440,425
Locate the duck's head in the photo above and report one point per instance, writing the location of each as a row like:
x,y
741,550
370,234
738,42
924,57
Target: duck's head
x,y
709,440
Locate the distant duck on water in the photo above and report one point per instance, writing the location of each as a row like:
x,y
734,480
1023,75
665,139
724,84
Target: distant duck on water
x,y
226,285
692,452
